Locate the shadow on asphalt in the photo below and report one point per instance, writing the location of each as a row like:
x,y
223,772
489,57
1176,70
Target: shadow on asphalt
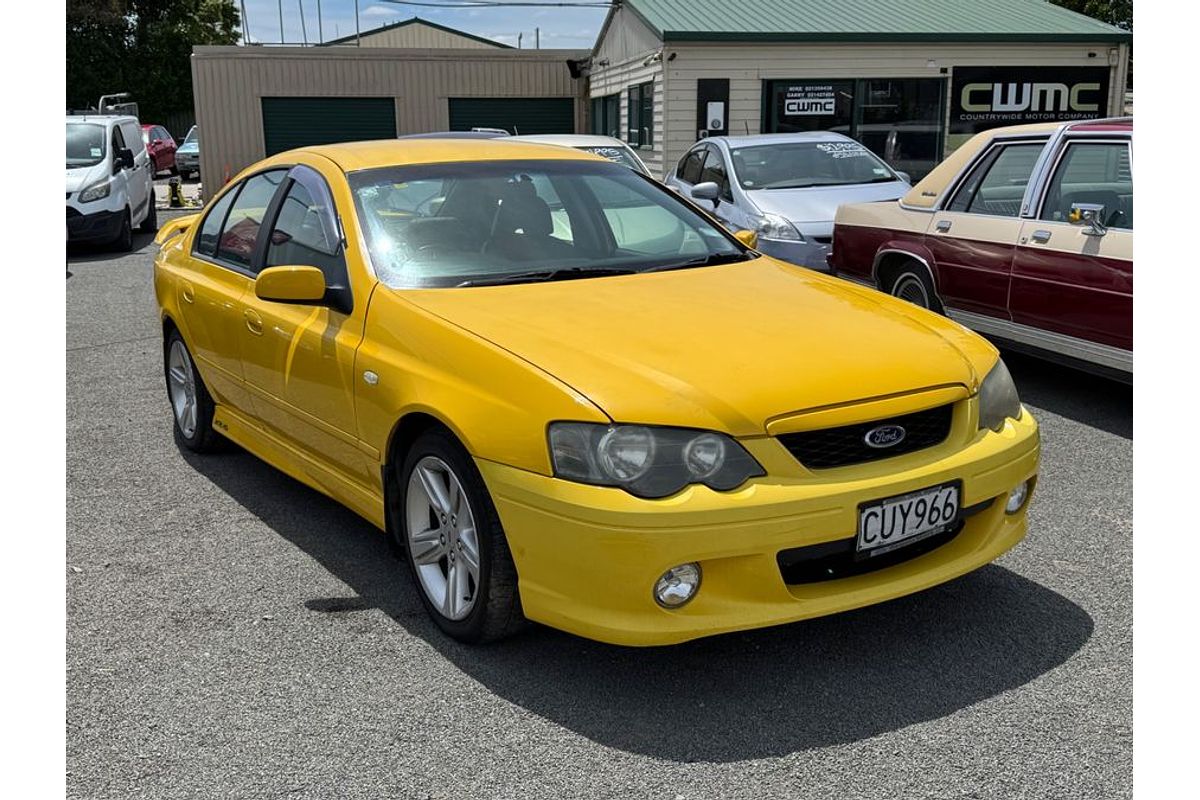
x,y
1095,401
84,253
739,696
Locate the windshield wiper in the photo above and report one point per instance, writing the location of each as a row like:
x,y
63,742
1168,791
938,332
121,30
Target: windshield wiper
x,y
710,260
564,273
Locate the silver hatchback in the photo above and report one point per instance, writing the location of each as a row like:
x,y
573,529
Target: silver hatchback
x,y
784,186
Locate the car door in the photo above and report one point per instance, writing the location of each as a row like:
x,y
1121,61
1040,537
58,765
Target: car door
x,y
972,238
299,359
140,178
166,148
211,296
1076,279
716,170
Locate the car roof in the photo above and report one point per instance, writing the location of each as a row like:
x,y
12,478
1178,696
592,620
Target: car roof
x,y
779,138
1116,125
453,135
97,118
351,156
571,139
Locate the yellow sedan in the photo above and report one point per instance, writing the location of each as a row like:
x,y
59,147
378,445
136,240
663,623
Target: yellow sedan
x,y
572,397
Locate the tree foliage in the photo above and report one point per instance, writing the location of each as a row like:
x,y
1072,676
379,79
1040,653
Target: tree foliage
x,y
143,47
1114,12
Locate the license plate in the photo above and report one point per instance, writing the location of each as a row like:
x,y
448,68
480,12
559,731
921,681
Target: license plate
x,y
884,525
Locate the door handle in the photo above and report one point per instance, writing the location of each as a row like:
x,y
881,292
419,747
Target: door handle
x,y
187,293
253,322
1040,237
943,225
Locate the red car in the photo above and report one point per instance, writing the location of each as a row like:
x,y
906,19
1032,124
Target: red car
x,y
161,148
1024,234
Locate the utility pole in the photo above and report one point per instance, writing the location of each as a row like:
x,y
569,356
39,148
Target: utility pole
x,y
245,25
281,21
303,27
320,30
357,32
537,38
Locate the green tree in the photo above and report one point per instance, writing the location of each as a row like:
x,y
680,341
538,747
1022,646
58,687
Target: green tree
x,y
143,47
1114,12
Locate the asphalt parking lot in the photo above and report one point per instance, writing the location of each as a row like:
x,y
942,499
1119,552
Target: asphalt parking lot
x,y
231,633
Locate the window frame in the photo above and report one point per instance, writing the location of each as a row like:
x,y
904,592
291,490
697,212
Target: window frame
x,y
727,188
1052,172
695,150
633,134
985,161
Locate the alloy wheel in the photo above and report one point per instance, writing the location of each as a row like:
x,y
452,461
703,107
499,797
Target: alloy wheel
x,y
442,539
182,386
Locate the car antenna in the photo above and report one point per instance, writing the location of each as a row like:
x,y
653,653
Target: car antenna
x,y
746,122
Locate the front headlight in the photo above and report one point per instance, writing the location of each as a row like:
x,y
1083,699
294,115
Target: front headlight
x,y
998,398
773,226
648,462
96,191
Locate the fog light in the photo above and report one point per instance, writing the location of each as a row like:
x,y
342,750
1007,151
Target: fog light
x,y
1016,498
677,585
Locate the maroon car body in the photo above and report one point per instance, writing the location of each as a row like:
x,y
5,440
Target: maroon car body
x,y
161,147
1024,234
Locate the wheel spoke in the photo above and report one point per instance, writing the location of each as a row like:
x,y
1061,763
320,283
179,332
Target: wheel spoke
x,y
449,606
460,586
434,490
455,499
179,376
469,553
427,547
189,415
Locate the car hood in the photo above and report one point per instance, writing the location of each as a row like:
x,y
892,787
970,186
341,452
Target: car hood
x,y
80,177
820,204
726,348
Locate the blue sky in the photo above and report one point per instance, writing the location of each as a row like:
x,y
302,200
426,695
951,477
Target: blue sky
x,y
560,27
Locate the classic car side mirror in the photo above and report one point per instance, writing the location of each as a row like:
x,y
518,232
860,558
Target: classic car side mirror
x,y
904,176
1091,216
304,285
707,191
748,238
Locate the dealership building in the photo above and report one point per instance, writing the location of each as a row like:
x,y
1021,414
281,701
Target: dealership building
x,y
911,79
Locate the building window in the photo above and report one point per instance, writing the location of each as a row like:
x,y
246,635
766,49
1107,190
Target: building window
x,y
640,128
606,115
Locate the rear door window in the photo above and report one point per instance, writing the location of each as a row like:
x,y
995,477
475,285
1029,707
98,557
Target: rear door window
x,y
210,229
239,236
689,167
997,184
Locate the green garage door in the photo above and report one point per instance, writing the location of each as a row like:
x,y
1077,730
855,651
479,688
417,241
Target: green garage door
x,y
514,114
301,121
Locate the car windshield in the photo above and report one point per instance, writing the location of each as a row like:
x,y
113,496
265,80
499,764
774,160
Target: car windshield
x,y
615,154
193,136
801,165
85,144
466,223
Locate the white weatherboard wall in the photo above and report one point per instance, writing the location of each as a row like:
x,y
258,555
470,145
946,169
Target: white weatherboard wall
x,y
626,44
747,66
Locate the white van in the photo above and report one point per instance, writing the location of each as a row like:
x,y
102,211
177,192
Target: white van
x,y
109,181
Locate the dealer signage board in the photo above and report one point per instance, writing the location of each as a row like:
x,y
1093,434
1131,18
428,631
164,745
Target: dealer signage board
x,y
810,100
989,97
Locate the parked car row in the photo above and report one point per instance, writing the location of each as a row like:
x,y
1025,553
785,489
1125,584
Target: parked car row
x,y
109,180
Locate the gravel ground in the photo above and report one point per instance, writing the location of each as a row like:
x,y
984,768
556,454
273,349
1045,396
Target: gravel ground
x,y
232,634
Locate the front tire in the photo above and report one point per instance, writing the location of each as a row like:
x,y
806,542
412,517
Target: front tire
x,y
150,223
124,240
191,404
454,544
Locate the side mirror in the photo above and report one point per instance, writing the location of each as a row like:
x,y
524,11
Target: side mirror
x,y
748,238
1091,216
707,191
904,176
304,285
125,158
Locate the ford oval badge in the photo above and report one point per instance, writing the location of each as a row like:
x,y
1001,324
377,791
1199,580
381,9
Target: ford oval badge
x,y
884,436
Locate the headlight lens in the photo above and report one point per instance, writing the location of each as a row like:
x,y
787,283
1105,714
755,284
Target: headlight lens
x,y
96,191
773,226
998,398
648,462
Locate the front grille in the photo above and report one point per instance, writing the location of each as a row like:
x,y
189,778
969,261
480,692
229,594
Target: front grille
x,y
839,447
830,561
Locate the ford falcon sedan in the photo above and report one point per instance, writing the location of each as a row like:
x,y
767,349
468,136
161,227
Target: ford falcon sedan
x,y
570,396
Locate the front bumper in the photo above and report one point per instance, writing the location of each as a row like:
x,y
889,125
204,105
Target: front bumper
x,y
809,253
588,556
99,226
185,162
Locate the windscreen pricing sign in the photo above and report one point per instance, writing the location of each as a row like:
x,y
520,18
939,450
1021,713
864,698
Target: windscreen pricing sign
x,y
986,97
812,100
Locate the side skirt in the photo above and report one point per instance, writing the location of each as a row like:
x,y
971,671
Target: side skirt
x,y
287,459
1111,361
